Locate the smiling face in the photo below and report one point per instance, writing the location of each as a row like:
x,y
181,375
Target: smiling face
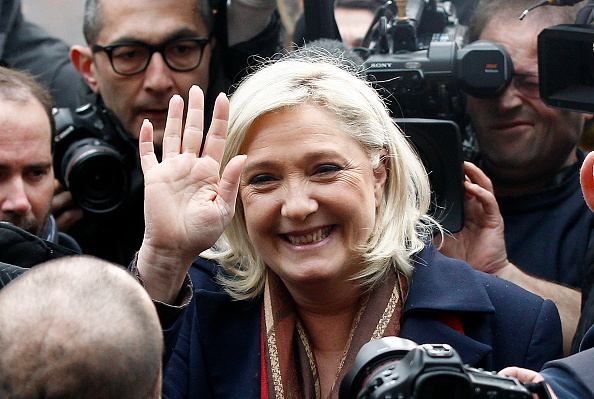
x,y
520,138
146,95
309,195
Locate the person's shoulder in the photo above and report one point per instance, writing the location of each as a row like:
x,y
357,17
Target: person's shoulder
x,y
497,286
460,275
571,377
68,242
9,272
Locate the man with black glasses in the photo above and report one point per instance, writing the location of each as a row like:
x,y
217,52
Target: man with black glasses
x,y
526,219
139,54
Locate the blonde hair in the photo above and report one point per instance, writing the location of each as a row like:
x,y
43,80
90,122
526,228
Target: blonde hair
x,y
402,224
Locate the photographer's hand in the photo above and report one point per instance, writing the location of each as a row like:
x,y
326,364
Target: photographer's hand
x,y
527,375
65,210
187,204
481,242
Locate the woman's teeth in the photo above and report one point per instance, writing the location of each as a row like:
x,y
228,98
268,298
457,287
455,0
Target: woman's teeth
x,y
309,238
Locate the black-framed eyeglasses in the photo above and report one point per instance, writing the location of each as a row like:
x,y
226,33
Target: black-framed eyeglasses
x,y
131,58
527,84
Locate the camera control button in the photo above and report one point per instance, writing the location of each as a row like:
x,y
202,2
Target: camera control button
x,y
440,351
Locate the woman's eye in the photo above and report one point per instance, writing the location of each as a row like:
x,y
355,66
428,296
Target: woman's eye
x,y
261,179
324,169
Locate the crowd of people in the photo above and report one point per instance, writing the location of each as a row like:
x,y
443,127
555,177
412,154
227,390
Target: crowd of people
x,y
276,218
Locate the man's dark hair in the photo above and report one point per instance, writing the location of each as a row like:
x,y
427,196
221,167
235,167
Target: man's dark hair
x,y
93,18
21,87
486,10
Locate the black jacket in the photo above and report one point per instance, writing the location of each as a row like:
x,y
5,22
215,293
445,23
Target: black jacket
x,y
27,47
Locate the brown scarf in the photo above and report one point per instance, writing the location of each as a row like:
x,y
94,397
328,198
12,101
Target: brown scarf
x,y
288,364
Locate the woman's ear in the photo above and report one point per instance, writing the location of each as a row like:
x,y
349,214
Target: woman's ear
x,y
587,179
381,176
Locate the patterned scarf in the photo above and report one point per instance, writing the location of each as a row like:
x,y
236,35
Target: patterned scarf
x,y
288,363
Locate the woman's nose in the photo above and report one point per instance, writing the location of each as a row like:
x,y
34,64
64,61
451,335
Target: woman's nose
x,y
298,203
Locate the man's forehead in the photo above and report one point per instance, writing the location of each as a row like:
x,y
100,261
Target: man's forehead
x,y
520,40
33,130
151,21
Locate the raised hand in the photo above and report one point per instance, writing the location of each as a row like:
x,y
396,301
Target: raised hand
x,y
187,204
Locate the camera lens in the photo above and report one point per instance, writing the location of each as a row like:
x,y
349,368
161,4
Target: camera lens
x,y
375,355
95,174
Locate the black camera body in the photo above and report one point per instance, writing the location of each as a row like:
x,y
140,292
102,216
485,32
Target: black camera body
x,y
429,83
393,367
566,67
93,159
421,67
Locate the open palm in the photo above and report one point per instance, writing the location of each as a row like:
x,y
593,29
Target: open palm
x,y
187,204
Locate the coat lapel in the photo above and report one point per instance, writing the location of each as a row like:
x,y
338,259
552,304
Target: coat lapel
x,y
441,285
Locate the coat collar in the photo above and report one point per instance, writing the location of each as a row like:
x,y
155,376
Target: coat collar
x,y
444,284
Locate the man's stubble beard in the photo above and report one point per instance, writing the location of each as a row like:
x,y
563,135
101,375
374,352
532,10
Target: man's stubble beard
x,y
29,225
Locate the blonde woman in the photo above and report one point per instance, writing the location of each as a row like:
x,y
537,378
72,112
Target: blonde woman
x,y
313,240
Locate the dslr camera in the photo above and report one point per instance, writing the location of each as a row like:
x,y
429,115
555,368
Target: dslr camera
x,y
413,55
93,158
397,368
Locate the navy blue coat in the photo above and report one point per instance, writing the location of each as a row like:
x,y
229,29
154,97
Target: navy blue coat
x,y
217,352
572,377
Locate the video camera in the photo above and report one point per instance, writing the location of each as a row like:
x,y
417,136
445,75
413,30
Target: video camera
x,y
93,159
413,55
419,65
393,367
566,62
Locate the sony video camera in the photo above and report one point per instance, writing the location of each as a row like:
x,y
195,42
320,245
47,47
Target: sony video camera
x,y
93,159
393,367
418,62
413,55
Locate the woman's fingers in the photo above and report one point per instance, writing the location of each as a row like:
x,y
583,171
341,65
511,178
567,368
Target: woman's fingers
x,y
229,184
194,128
173,127
191,141
148,159
217,134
